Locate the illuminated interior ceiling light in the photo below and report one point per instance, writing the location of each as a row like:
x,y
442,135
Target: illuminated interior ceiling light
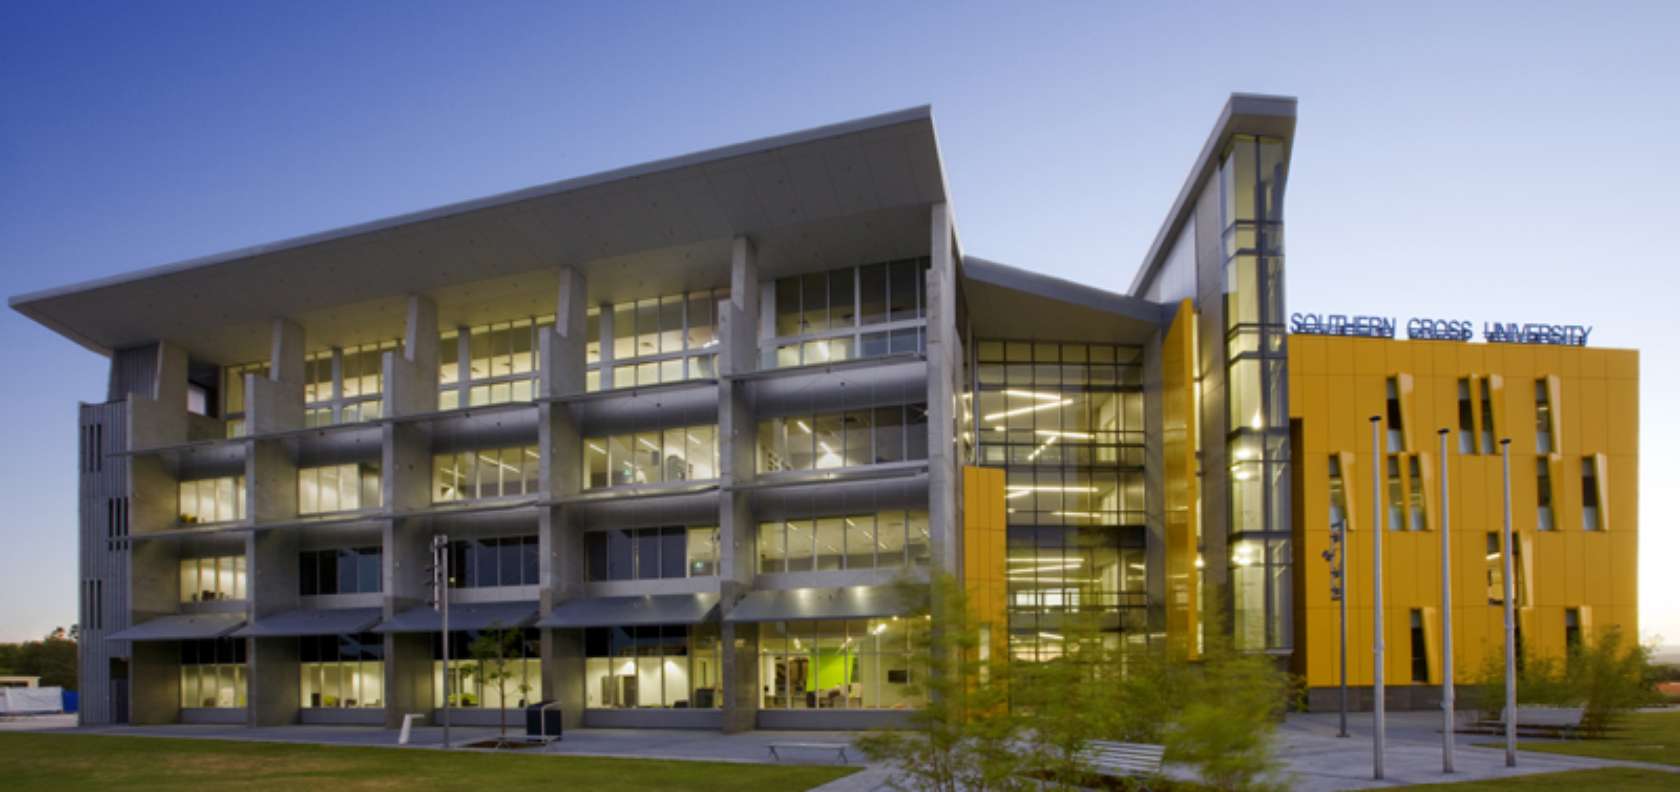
x,y
1039,450
825,449
999,428
1050,636
1257,423
1028,409
1026,394
1053,433
1199,562
1245,555
804,426
879,628
651,446
530,453
692,438
597,449
1023,488
1084,515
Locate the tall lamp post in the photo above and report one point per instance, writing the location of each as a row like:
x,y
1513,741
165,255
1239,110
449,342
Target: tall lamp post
x,y
440,601
1336,557
1378,710
1446,618
1509,550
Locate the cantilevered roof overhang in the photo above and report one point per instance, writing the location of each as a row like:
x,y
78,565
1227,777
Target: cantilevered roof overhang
x,y
1009,303
1244,114
811,200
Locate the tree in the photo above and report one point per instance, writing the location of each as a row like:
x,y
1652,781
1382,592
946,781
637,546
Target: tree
x,y
494,651
53,659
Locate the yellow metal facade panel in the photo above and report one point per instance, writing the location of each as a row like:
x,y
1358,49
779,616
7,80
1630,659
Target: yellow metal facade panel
x,y
985,539
1593,393
1179,424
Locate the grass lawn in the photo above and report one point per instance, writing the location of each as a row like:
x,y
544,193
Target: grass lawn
x,y
1641,737
74,761
1619,778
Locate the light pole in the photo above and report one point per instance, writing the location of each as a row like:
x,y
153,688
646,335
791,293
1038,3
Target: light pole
x,y
440,601
1509,549
1336,556
1378,710
1446,619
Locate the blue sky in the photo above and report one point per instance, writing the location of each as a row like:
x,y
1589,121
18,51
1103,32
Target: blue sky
x,y
1521,154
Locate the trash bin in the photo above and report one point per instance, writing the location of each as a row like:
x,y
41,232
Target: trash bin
x,y
542,723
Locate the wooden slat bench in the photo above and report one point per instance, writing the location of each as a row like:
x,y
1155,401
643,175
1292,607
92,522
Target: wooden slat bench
x,y
839,748
1121,760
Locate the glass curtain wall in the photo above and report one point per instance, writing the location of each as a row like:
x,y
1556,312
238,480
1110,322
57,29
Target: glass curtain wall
x,y
467,687
655,340
886,540
856,312
213,673
338,488
211,500
819,441
1065,421
350,570
851,664
492,363
485,473
345,385
233,395
342,671
1251,182
683,453
494,561
213,579
650,553
655,666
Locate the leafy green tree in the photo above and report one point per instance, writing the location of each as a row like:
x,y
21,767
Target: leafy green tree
x,y
495,651
53,659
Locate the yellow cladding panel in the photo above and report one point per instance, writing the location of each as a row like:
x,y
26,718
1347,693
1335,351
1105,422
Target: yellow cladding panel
x,y
1178,452
985,538
1340,383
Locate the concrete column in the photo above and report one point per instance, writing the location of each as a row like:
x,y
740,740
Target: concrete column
x,y
271,558
154,683
738,327
160,418
411,377
408,657
944,356
562,349
738,319
275,403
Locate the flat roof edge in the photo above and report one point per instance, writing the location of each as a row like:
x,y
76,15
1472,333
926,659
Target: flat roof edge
x,y
922,112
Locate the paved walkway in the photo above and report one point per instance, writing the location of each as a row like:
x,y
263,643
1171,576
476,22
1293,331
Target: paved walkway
x,y
1314,758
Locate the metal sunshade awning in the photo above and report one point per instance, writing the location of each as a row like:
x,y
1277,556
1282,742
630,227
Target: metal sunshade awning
x,y
464,616
633,611
182,627
329,621
852,602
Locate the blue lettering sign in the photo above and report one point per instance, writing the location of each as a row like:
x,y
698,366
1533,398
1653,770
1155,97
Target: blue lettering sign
x,y
1342,325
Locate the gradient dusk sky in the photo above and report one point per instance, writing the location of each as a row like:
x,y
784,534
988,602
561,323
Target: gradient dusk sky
x,y
1466,160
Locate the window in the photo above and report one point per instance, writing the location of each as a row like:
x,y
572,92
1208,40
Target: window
x,y
496,561
1589,494
1338,496
1542,417
1496,570
656,666
339,488
213,579
345,385
655,340
837,440
486,473
884,540
1420,650
466,686
684,453
1396,429
650,553
1488,430
1396,495
357,570
821,316
1466,418
211,500
1417,517
342,671
1543,494
213,673
1262,593
1572,630
492,363
852,664
233,395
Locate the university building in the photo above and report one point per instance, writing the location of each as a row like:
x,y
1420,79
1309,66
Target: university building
x,y
701,431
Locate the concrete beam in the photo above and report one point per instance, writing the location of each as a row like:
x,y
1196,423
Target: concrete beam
x,y
271,488
738,319
406,467
411,377
161,418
